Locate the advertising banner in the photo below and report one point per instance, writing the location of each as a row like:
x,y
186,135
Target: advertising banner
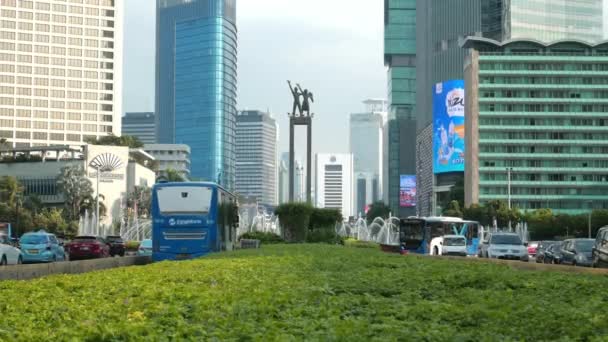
x,y
407,191
448,127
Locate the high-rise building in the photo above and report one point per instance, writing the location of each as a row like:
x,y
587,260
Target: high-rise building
x,y
256,156
170,156
544,20
299,179
60,71
536,124
141,126
400,58
196,82
334,182
366,146
441,31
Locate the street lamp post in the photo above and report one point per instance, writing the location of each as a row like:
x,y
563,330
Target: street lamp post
x,y
589,217
509,170
97,205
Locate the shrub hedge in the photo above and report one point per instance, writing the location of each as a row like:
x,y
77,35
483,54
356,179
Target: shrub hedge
x,y
264,237
308,292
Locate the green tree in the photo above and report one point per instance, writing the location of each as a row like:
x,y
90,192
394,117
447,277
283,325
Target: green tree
x,y
142,196
112,140
456,194
51,220
10,190
33,203
172,175
294,218
378,209
453,209
77,190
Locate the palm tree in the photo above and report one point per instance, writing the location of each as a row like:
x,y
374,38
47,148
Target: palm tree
x,y
11,189
173,175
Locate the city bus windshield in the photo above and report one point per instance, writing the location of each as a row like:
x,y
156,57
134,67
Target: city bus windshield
x,y
184,200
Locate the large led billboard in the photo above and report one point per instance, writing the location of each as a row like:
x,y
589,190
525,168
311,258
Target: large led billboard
x,y
448,127
407,191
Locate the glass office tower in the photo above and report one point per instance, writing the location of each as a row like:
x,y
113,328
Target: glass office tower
x,y
400,58
196,83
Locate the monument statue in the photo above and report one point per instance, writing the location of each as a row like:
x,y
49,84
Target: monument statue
x,y
307,98
296,100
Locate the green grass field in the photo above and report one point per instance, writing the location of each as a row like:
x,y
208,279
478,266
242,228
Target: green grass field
x,y
307,292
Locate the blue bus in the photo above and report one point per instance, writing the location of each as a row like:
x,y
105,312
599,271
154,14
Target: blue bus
x,y
192,219
418,232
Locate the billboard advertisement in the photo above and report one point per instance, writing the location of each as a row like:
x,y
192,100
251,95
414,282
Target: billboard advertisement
x,y
407,191
448,127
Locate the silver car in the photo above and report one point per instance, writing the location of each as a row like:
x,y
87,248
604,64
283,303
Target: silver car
x,y
506,246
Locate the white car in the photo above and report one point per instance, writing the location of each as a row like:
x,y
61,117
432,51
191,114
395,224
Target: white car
x,y
9,255
453,245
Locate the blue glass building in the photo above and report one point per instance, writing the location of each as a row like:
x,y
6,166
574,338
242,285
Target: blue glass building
x,y
196,56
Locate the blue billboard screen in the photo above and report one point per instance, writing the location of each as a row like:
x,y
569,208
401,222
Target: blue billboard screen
x,y
407,191
448,127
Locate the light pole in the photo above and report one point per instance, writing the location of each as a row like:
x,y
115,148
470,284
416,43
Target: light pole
x,y
589,217
97,205
509,170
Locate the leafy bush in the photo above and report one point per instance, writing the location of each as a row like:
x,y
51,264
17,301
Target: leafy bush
x,y
132,245
320,217
350,242
295,218
265,238
307,292
323,235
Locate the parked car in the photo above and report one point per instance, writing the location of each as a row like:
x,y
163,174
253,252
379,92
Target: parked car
x,y
41,246
541,250
117,245
145,248
600,248
532,248
504,246
88,247
9,253
577,252
553,254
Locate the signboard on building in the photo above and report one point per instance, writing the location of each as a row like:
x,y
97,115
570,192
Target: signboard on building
x,y
407,191
448,127
112,163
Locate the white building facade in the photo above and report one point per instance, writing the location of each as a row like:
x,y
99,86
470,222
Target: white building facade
x,y
60,70
256,151
367,147
334,186
171,156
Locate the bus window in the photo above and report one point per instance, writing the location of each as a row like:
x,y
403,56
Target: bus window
x,y
184,200
437,229
411,231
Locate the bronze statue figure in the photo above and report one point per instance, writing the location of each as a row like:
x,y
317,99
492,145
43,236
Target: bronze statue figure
x,y
296,100
307,97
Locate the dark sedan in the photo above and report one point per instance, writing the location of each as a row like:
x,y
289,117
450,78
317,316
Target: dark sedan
x,y
117,245
543,246
577,252
88,247
553,254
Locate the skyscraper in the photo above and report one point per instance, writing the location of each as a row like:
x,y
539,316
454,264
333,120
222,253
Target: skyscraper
x,y
544,20
334,182
140,125
256,156
400,58
299,179
196,54
366,146
60,71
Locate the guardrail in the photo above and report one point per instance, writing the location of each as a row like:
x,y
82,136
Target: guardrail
x,y
31,271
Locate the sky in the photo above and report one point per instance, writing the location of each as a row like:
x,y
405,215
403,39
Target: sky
x,y
334,48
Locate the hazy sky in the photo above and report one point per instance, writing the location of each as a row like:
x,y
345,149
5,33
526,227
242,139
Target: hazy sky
x,y
333,47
